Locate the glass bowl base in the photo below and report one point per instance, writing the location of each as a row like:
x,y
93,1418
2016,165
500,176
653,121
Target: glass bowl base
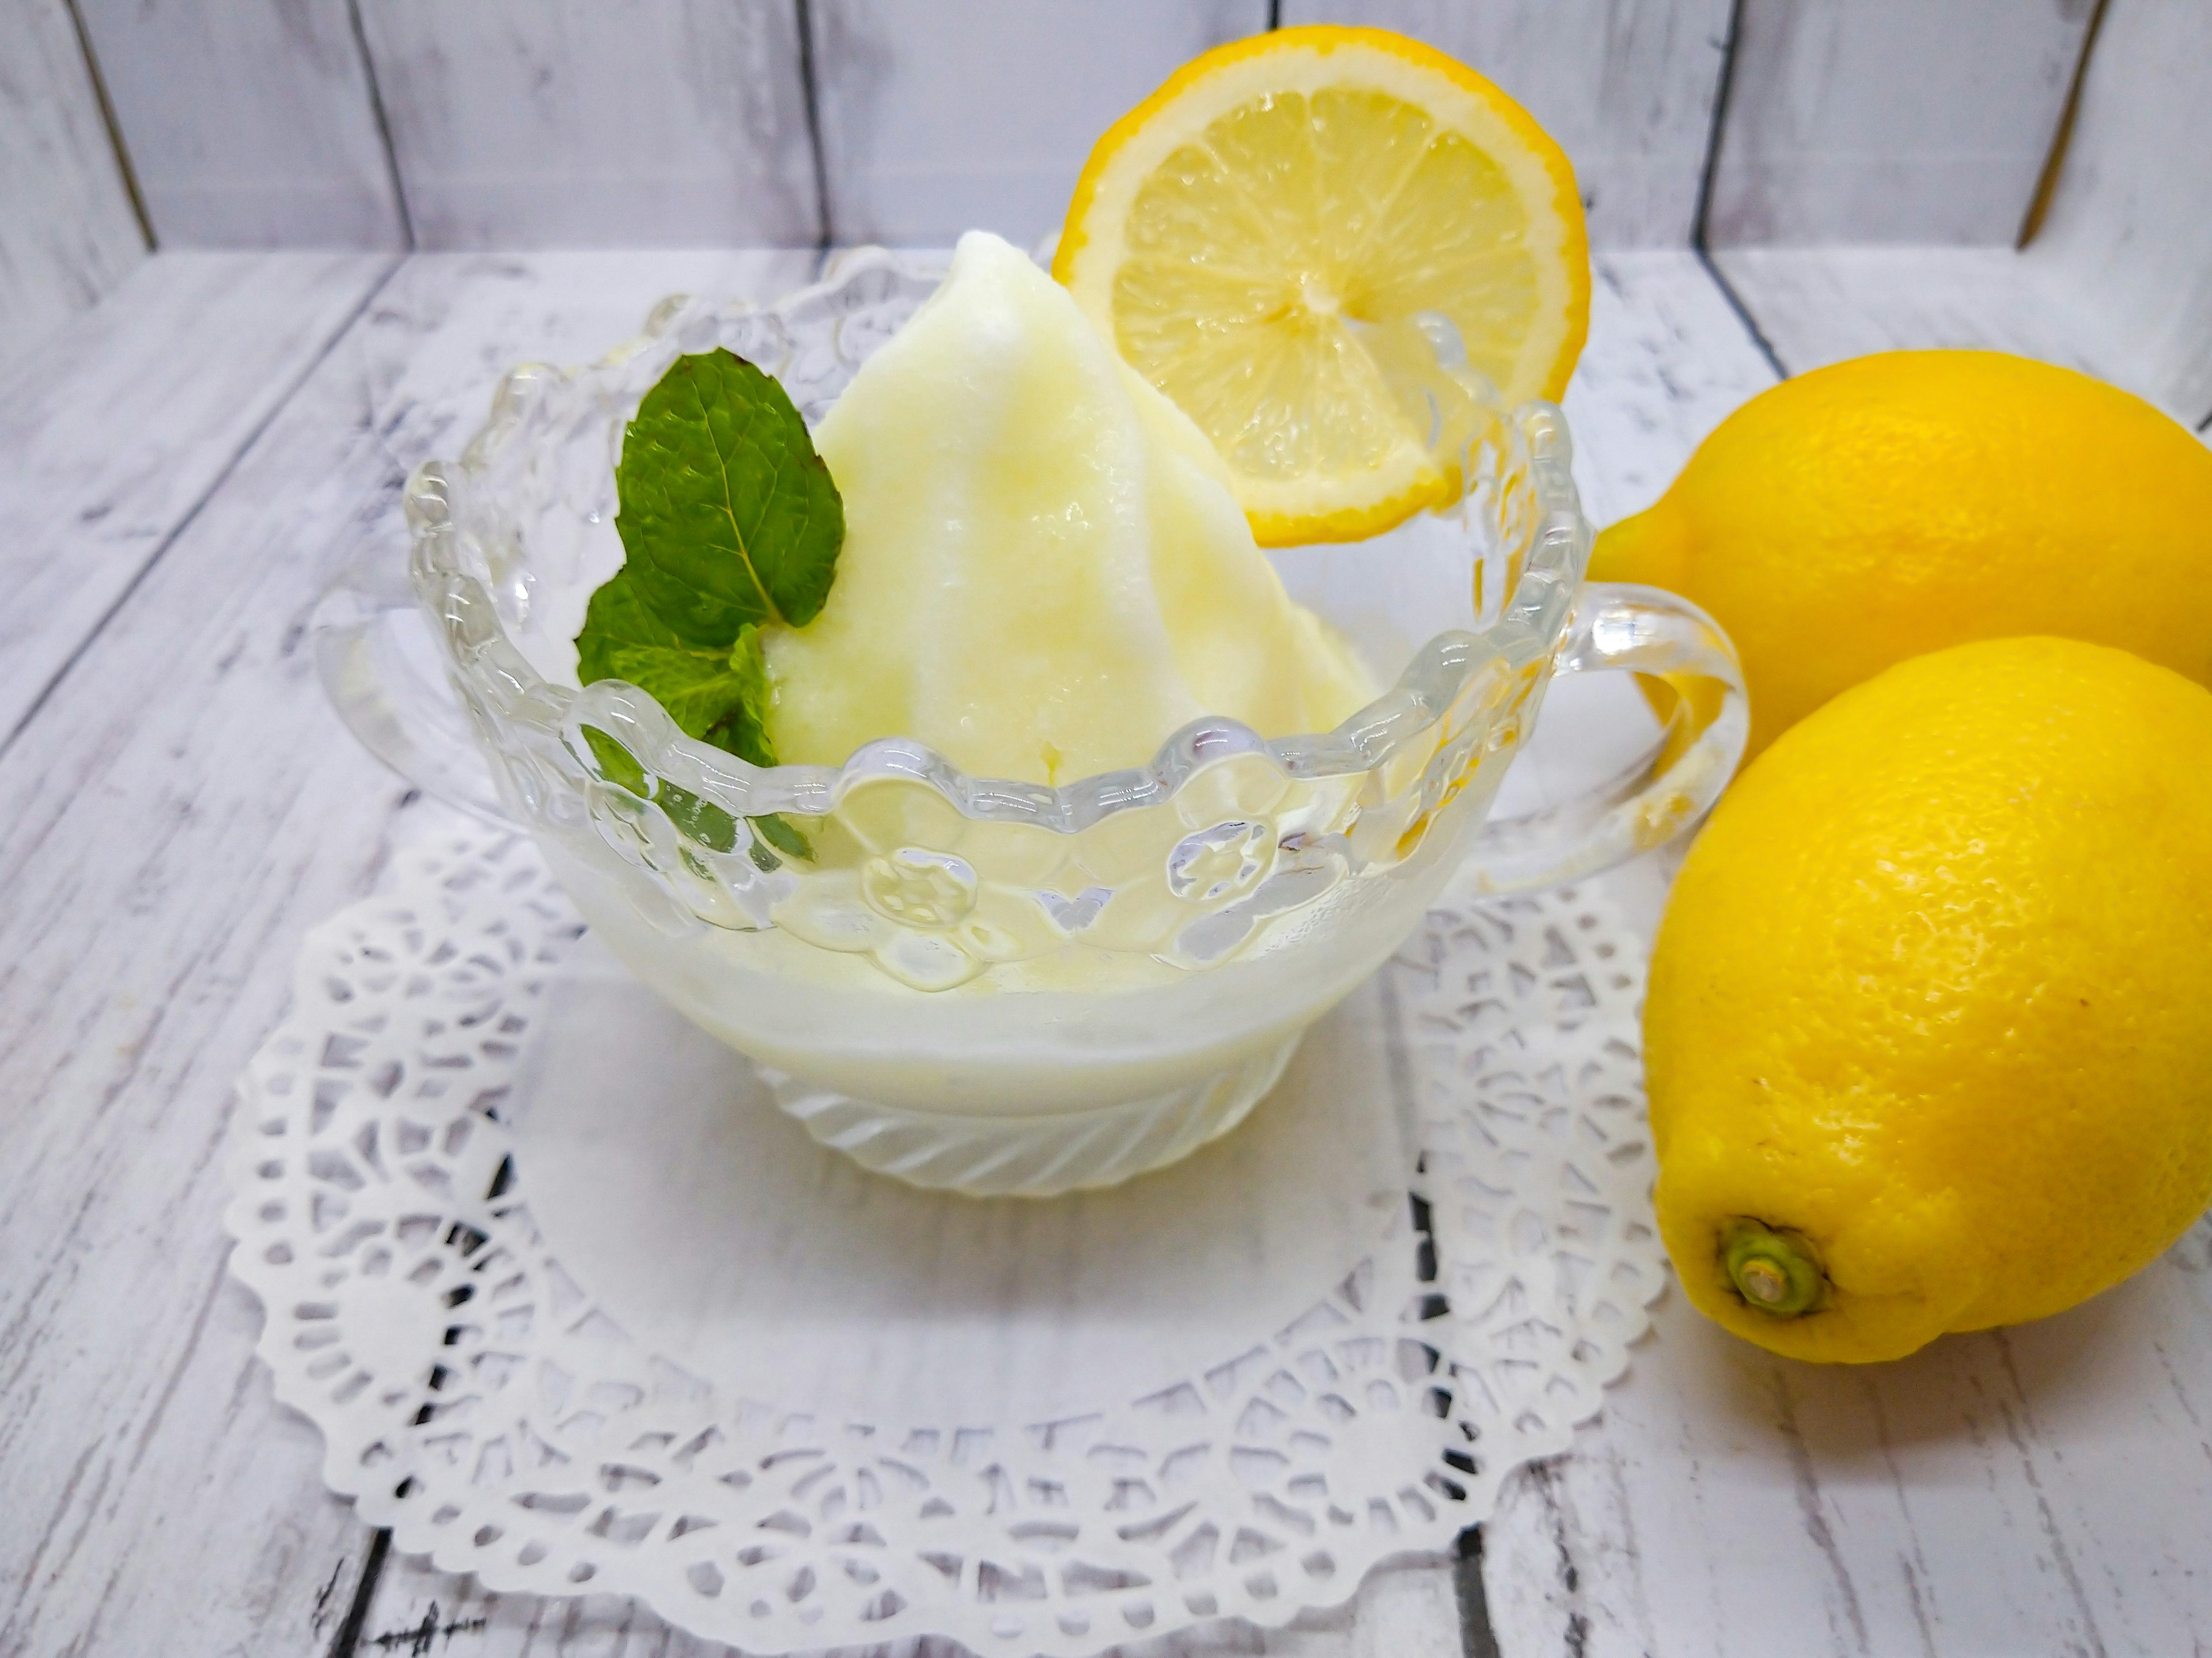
x,y
1033,1157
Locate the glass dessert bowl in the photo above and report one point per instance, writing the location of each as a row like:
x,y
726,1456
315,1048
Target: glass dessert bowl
x,y
991,986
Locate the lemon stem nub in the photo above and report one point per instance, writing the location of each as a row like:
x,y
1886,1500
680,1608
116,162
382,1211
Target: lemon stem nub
x,y
1776,1273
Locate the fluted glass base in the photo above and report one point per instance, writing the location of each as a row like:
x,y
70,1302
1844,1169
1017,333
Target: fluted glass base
x,y
1038,1156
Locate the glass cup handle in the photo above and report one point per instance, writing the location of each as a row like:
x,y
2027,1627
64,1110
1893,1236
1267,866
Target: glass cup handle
x,y
1691,675
385,675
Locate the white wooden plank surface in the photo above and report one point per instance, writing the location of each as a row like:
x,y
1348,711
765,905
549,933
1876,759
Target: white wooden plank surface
x,y
1890,120
936,119
1668,360
2040,1490
1626,86
596,123
1820,305
248,126
2128,238
67,233
1406,1611
112,433
182,808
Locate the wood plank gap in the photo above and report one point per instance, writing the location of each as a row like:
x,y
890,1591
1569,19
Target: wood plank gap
x,y
364,1593
2047,183
1274,16
1477,1637
824,240
1742,313
1720,89
185,520
114,132
1712,160
383,124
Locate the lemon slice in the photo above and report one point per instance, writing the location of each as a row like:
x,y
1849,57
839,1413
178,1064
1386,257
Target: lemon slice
x,y
1232,231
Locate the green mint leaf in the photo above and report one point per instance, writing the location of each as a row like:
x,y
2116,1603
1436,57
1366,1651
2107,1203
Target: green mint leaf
x,y
623,638
743,729
780,833
729,520
617,763
728,515
702,820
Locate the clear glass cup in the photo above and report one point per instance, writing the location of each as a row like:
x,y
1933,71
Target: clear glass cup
x,y
989,986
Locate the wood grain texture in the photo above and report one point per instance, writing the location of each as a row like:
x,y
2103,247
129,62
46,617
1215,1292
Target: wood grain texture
x,y
1668,360
115,432
183,807
67,232
936,119
1890,120
1405,1610
2038,1489
248,126
1626,86
2129,239
1818,306
596,123
447,326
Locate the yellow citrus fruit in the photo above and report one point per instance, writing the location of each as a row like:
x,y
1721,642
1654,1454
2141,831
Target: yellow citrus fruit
x,y
1928,1036
1231,233
1867,513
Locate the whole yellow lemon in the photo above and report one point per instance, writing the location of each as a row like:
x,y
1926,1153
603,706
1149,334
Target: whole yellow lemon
x,y
1928,1036
1880,508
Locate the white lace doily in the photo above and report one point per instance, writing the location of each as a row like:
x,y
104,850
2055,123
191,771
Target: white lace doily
x,y
1265,1420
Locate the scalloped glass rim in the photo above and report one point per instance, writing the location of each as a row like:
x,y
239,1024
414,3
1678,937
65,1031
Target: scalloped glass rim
x,y
1526,632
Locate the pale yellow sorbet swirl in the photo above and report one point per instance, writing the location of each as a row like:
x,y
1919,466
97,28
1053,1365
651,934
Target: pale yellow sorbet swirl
x,y
1045,574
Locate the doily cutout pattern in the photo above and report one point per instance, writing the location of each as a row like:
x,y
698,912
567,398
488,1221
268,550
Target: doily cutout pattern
x,y
476,1401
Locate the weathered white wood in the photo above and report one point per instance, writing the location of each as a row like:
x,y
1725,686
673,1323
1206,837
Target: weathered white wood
x,y
115,431
2128,237
1667,360
248,126
67,233
1626,89
596,123
1405,1610
1818,306
181,808
936,119
1890,120
2040,1490
448,325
